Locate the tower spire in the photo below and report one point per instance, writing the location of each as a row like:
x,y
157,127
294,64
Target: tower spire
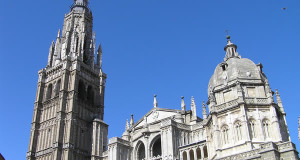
x,y
155,104
182,104
230,49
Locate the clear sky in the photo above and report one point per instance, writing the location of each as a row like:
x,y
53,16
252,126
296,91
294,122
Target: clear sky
x,y
164,47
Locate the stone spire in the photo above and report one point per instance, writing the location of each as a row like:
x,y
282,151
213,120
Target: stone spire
x,y
126,135
127,125
204,112
193,108
182,104
99,56
230,49
131,121
51,52
155,104
279,102
57,50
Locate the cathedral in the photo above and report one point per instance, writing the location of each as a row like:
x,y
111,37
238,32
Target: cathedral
x,y
242,118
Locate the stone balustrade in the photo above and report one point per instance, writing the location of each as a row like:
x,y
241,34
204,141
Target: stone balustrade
x,y
226,105
257,101
247,100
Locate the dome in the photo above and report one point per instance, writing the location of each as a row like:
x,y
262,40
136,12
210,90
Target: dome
x,y
233,67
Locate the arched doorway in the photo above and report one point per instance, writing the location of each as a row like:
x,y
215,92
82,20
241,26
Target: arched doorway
x,y
156,147
140,151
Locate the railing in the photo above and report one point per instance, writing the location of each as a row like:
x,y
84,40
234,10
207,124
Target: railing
x,y
226,105
257,101
247,100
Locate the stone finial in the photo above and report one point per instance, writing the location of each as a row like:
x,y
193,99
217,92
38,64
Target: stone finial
x,y
58,33
127,125
279,102
193,108
204,112
155,104
99,56
182,104
131,121
51,52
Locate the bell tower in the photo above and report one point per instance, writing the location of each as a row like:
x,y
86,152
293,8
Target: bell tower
x,y
69,106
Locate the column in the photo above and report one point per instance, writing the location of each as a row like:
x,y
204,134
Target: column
x,y
202,153
195,153
188,155
181,155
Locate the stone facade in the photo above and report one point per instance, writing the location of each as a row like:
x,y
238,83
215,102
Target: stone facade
x,y
242,119
69,107
246,120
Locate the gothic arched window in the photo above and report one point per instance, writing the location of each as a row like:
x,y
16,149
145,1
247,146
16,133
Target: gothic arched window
x,y
252,128
225,132
238,130
49,92
266,128
57,87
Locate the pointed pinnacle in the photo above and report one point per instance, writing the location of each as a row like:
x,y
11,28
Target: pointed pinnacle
x,y
131,121
58,34
182,103
127,125
99,48
155,104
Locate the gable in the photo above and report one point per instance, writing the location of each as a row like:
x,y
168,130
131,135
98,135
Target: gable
x,y
156,115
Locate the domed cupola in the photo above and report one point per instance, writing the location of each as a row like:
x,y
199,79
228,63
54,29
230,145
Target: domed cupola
x,y
231,71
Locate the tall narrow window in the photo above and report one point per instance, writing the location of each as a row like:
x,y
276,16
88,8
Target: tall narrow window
x,y
77,42
238,131
57,87
49,92
252,128
225,132
232,50
266,128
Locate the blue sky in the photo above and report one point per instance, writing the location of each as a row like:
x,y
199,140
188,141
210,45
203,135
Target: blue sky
x,y
164,47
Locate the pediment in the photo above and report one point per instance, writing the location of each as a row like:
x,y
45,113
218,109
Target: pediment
x,y
156,114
